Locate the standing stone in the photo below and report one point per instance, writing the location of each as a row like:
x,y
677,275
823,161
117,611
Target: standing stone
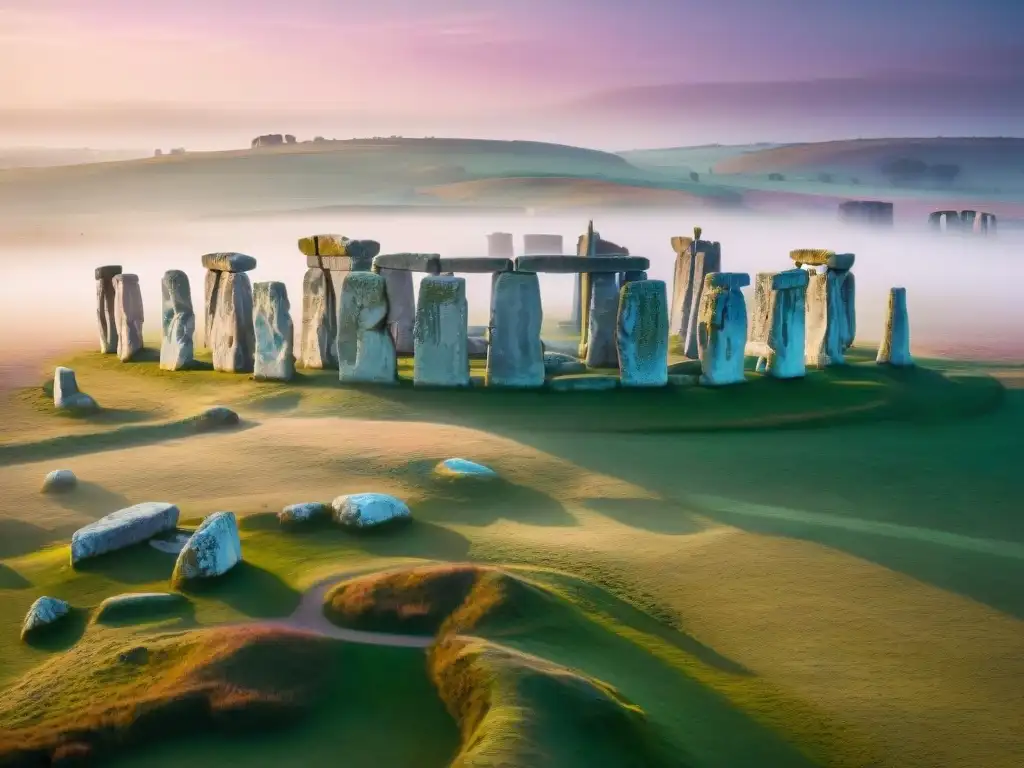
x,y
631,277
706,257
600,350
826,319
500,245
779,323
366,353
895,347
274,332
105,316
128,315
441,333
642,334
515,356
848,293
66,395
722,328
213,550
178,322
319,318
401,308
210,286
233,339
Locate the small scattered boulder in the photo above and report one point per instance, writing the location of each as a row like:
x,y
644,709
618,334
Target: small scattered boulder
x,y
124,528
59,481
585,383
44,612
463,468
304,512
213,550
137,655
66,395
127,605
217,417
369,510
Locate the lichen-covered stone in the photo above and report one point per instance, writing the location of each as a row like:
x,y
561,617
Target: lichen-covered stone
x,y
464,469
340,263
124,528
586,383
895,347
233,341
410,262
338,245
441,348
706,258
229,262
722,331
304,512
319,321
274,331
515,357
44,612
366,353
66,395
401,318
59,481
826,320
368,510
213,550
106,318
779,323
599,349
178,322
128,315
215,417
642,334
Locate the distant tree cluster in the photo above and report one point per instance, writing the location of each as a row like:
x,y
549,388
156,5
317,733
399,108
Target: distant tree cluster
x,y
906,170
273,140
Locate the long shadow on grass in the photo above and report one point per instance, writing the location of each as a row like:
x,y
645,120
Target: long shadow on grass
x,y
249,589
61,635
657,515
140,564
19,538
11,579
91,499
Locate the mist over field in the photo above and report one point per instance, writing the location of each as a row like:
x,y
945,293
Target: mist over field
x,y
964,291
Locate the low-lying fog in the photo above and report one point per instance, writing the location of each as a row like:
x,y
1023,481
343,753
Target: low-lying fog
x,y
964,292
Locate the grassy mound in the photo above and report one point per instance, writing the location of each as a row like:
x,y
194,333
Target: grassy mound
x,y
105,694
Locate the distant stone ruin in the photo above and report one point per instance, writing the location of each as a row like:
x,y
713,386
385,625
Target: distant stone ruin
x,y
971,222
268,140
500,244
873,212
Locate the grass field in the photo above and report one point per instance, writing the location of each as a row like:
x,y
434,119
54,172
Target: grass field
x,y
823,574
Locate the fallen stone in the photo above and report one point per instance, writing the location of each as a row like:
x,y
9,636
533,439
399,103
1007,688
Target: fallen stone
x,y
44,612
441,356
476,346
338,245
463,468
515,357
125,606
229,262
274,332
557,363
128,315
66,395
476,265
124,528
368,510
170,545
826,320
216,417
340,263
401,299
59,481
233,340
895,347
500,245
366,353
561,346
581,264
642,334
587,383
599,347
722,330
305,512
213,550
317,346
410,262
542,244
105,316
178,322
780,322
683,379
814,257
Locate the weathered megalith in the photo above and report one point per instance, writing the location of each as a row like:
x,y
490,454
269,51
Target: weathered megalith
x,y
105,316
842,290
124,528
591,244
987,223
598,347
515,356
319,319
895,347
66,395
722,328
233,339
228,262
274,332
213,550
642,334
442,317
178,322
43,613
369,510
848,292
128,315
500,244
826,319
401,308
338,245
945,220
777,333
216,265
366,353
695,259
633,276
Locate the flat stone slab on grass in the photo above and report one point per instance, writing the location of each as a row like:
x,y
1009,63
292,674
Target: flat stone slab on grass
x,y
43,613
581,264
228,262
463,468
304,512
429,263
59,481
476,265
124,528
559,363
133,604
586,383
340,263
213,550
338,245
369,510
